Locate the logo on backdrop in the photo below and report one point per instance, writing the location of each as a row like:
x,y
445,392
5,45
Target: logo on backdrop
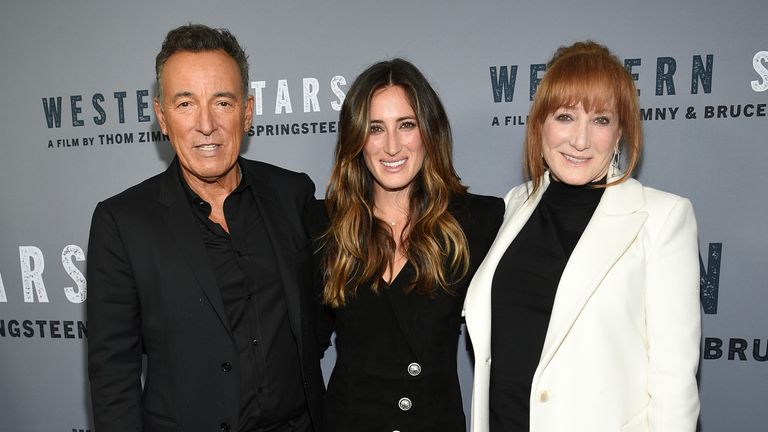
x,y
281,98
113,111
715,348
709,282
120,111
694,75
34,290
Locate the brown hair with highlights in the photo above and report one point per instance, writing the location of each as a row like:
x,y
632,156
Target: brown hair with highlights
x,y
357,246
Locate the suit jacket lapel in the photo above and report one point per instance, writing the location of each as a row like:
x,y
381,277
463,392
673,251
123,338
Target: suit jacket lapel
x,y
268,207
406,311
412,310
611,230
185,232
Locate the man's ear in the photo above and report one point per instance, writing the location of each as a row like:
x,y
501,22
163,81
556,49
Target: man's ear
x,y
248,113
160,115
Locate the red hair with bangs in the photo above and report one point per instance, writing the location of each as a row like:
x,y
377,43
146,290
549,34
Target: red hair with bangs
x,y
587,73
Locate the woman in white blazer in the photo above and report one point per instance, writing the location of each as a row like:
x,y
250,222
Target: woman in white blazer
x,y
584,316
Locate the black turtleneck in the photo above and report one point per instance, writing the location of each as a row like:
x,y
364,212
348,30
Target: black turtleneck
x,y
523,292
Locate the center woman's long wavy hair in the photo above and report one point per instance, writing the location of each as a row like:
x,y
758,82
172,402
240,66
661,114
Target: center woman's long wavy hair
x,y
357,246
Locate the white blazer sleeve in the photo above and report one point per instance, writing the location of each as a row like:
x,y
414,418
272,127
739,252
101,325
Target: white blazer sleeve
x,y
674,322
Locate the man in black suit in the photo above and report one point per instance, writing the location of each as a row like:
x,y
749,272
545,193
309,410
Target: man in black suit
x,y
205,268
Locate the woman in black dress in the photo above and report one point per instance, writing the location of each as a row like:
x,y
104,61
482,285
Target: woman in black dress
x,y
403,241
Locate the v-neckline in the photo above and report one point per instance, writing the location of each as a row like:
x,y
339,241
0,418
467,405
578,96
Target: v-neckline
x,y
397,276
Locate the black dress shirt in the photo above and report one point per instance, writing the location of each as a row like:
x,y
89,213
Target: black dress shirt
x,y
523,293
245,268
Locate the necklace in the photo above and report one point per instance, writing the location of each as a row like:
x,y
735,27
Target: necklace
x,y
390,222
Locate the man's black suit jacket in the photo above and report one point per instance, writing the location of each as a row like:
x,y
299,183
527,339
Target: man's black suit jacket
x,y
151,289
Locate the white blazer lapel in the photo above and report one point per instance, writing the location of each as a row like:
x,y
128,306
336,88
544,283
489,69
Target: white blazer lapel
x,y
478,300
477,304
611,230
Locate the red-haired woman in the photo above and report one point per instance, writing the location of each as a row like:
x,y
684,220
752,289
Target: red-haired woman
x,y
584,315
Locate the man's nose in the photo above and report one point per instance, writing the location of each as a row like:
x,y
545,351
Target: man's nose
x,y
206,121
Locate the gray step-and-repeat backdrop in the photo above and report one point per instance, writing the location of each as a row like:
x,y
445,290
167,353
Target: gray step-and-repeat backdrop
x,y
76,123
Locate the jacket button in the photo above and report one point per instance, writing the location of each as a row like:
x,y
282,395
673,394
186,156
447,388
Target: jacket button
x,y
224,427
414,369
226,367
404,404
543,396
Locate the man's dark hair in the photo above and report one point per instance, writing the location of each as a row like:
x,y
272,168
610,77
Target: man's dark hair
x,y
198,38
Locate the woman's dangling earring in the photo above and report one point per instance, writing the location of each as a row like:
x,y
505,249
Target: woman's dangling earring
x,y
613,171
